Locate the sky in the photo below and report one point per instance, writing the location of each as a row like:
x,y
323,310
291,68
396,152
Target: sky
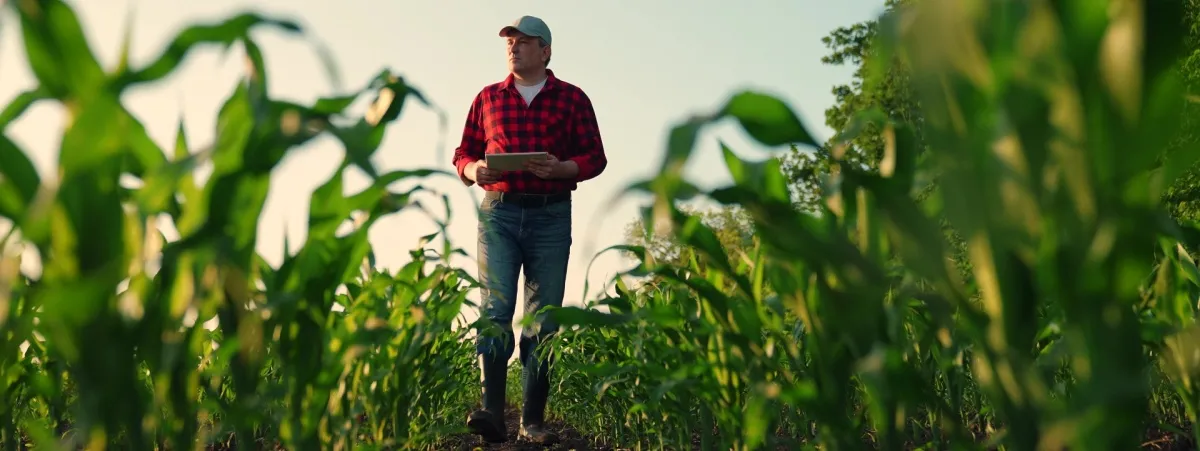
x,y
646,65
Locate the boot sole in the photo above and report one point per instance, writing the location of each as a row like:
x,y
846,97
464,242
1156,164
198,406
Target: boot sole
x,y
551,440
487,430
546,441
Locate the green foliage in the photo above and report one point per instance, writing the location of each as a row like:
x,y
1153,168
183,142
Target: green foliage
x,y
730,225
108,347
1183,198
1062,314
1077,320
879,88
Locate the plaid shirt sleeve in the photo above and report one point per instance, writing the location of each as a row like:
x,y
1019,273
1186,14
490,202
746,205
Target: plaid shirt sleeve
x,y
589,148
473,143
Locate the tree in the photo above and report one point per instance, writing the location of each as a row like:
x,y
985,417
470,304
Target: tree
x,y
893,98
731,225
864,146
1183,197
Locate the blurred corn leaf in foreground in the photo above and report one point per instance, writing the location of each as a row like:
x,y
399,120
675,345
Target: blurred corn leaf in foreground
x,y
1045,130
109,345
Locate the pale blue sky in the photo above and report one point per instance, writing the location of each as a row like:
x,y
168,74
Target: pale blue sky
x,y
645,65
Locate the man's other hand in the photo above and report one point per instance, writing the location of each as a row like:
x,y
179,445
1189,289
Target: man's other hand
x,y
547,168
481,174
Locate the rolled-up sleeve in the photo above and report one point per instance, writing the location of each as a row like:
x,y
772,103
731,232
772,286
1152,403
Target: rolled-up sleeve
x,y
589,147
472,146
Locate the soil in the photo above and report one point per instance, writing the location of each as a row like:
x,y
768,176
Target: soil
x,y
568,438
1163,440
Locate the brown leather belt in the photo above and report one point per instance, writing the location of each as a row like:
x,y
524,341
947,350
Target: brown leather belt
x,y
528,200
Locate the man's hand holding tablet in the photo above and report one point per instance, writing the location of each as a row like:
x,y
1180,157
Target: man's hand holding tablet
x,y
479,172
541,164
547,167
516,161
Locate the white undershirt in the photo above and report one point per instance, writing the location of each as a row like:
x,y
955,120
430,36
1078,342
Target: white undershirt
x,y
529,92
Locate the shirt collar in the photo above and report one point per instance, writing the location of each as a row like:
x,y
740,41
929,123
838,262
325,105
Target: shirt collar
x,y
551,81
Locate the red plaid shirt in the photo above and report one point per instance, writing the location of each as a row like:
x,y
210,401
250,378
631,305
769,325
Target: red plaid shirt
x,y
559,120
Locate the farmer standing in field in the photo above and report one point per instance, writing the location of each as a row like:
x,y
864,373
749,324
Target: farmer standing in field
x,y
525,220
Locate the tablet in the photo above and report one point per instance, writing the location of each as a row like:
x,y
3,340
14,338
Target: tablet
x,y
512,161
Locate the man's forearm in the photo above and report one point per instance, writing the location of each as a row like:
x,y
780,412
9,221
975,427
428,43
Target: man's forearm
x,y
474,141
588,159
465,172
568,169
589,165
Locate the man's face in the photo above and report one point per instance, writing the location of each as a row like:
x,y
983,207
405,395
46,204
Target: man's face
x,y
524,52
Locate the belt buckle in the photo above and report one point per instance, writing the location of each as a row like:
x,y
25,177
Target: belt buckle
x,y
531,200
526,200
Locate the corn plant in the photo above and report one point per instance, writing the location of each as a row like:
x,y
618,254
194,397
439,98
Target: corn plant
x,y
108,345
1049,128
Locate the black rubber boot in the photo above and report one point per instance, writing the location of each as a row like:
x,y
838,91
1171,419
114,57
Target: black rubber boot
x,y
533,410
489,421
538,434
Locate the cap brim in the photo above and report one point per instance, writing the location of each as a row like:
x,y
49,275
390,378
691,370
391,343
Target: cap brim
x,y
504,32
508,30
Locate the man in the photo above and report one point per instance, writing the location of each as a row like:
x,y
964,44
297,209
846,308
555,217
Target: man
x,y
525,216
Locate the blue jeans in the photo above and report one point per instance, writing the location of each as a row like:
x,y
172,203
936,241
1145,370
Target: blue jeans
x,y
515,239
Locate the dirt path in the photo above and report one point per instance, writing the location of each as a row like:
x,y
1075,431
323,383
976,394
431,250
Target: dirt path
x,y
571,440
568,438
